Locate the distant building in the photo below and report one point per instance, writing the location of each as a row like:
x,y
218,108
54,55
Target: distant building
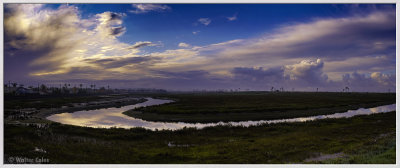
x,y
23,91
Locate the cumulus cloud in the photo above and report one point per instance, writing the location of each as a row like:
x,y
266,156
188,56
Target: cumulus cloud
x,y
345,44
204,21
57,44
307,73
30,33
183,45
145,8
305,69
58,41
385,79
363,64
376,81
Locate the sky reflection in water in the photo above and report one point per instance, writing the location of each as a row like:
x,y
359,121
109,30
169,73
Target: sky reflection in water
x,y
113,117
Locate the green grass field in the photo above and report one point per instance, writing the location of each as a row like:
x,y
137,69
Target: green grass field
x,y
51,102
362,139
359,139
242,106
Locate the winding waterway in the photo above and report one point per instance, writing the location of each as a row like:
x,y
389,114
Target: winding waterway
x,y
113,117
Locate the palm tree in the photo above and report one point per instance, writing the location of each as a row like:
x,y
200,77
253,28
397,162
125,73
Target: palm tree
x,y
272,89
43,87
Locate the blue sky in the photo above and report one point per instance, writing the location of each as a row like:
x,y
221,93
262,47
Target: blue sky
x,y
177,24
203,46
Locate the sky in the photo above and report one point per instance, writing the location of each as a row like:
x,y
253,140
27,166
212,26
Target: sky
x,y
297,47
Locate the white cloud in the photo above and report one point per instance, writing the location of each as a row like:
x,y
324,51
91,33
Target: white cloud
x,y
65,46
110,24
384,79
375,81
183,45
307,70
140,44
204,21
196,32
145,8
232,18
59,41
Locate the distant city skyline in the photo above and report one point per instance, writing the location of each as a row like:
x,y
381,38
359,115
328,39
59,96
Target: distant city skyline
x,y
186,47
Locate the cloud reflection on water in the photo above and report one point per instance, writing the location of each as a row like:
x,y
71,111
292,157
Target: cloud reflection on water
x,y
113,117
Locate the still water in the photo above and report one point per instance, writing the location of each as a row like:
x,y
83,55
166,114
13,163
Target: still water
x,y
113,117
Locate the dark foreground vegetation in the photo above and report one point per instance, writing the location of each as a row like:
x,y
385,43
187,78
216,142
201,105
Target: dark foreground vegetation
x,y
360,139
43,106
242,106
53,101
